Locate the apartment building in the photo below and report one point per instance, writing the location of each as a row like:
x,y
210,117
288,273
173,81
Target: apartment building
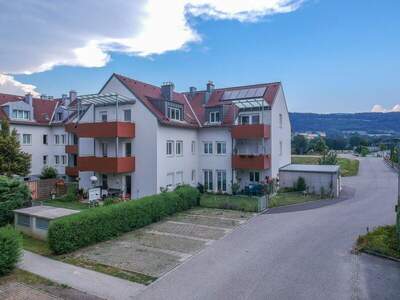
x,y
137,139
39,123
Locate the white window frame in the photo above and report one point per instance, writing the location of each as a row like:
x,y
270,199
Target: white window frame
x,y
221,181
253,174
193,176
222,148
45,160
172,176
130,115
208,148
63,139
280,120
56,160
179,178
56,139
26,139
213,117
47,139
174,113
207,179
102,114
179,145
193,147
171,152
64,159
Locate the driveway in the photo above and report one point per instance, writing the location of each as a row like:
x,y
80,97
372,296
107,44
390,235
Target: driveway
x,y
301,253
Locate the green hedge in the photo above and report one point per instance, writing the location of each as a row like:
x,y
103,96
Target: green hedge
x,y
10,249
103,223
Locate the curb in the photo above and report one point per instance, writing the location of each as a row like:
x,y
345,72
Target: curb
x,y
377,254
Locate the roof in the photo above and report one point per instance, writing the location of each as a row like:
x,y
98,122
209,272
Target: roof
x,y
194,103
311,168
46,212
42,109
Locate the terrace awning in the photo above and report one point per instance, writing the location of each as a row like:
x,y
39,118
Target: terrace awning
x,y
251,103
104,99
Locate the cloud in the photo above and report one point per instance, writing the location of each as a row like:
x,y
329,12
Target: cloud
x,y
38,35
9,85
381,109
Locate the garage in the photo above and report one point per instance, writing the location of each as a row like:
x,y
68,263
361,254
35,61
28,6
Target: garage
x,y
319,179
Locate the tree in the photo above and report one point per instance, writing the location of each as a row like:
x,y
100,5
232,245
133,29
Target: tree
x,y
300,144
328,158
48,172
12,160
318,145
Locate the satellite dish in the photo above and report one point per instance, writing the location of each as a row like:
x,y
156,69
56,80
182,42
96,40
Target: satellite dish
x,y
93,179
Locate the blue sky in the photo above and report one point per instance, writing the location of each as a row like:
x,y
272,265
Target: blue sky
x,y
331,55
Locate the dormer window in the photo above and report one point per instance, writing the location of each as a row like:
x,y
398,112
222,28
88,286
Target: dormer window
x,y
59,116
174,113
215,117
21,114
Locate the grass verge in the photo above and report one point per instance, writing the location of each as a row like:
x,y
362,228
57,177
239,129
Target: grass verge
x,y
22,276
289,198
382,240
65,204
42,248
243,203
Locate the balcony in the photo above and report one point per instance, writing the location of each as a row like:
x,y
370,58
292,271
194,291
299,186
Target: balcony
x,y
107,164
251,162
72,171
71,149
102,130
251,131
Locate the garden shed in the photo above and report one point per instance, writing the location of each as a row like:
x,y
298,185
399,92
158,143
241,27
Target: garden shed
x,y
318,178
35,220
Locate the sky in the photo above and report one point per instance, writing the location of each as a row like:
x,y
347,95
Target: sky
x,y
330,55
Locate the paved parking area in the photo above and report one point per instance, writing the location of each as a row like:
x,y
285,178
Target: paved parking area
x,y
160,247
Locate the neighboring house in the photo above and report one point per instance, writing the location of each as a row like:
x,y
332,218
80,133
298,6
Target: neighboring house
x,y
40,127
139,138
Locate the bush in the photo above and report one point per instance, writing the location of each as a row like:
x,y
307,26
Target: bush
x,y
10,249
13,195
72,192
48,172
301,184
95,225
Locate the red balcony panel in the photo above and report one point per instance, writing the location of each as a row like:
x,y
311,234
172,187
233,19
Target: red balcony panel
x,y
72,171
251,131
251,162
102,130
71,149
107,164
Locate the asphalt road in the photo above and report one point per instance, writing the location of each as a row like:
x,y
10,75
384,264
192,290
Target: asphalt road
x,y
299,252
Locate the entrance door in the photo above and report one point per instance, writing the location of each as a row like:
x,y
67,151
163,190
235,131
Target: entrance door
x,y
104,181
128,185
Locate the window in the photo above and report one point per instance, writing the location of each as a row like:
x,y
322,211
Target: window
x,y
21,114
42,223
57,159
24,220
249,119
254,176
14,114
179,148
214,117
280,148
127,115
208,148
244,120
56,139
64,159
179,178
170,179
280,120
193,147
170,148
193,176
208,180
26,115
63,139
103,116
104,149
44,139
221,180
59,116
255,119
45,159
174,113
27,139
104,181
221,148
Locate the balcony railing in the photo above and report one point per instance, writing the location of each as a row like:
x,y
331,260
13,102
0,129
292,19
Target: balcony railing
x,y
251,162
107,164
251,131
72,171
102,129
71,149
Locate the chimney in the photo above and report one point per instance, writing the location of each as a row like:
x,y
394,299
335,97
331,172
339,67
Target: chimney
x,y
192,90
210,86
72,95
65,99
28,98
167,90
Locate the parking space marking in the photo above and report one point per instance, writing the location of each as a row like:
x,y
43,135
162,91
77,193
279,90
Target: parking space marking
x,y
240,221
182,256
180,236
226,230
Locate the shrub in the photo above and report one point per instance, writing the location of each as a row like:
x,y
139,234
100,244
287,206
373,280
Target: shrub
x,y
72,193
95,225
48,172
301,184
13,195
10,249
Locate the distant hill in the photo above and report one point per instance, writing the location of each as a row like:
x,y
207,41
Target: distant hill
x,y
370,123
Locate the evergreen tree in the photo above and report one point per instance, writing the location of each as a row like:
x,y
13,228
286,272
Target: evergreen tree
x,y
12,160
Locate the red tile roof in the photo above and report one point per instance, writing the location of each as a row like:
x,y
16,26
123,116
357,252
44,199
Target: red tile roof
x,y
42,109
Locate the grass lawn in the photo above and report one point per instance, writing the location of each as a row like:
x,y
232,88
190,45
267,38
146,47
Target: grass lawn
x,y
382,240
37,246
348,167
71,205
22,276
243,203
288,198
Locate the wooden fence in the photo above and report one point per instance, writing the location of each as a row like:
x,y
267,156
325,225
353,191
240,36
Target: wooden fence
x,y
42,189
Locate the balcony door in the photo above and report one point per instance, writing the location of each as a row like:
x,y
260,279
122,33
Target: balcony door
x,y
128,149
128,185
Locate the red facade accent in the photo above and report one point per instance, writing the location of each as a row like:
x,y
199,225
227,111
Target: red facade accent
x,y
251,162
102,130
72,171
253,131
71,149
107,164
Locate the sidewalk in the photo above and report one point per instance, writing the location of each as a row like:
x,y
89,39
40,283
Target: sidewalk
x,y
91,282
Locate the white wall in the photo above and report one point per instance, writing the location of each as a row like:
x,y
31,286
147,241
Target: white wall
x,y
278,134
